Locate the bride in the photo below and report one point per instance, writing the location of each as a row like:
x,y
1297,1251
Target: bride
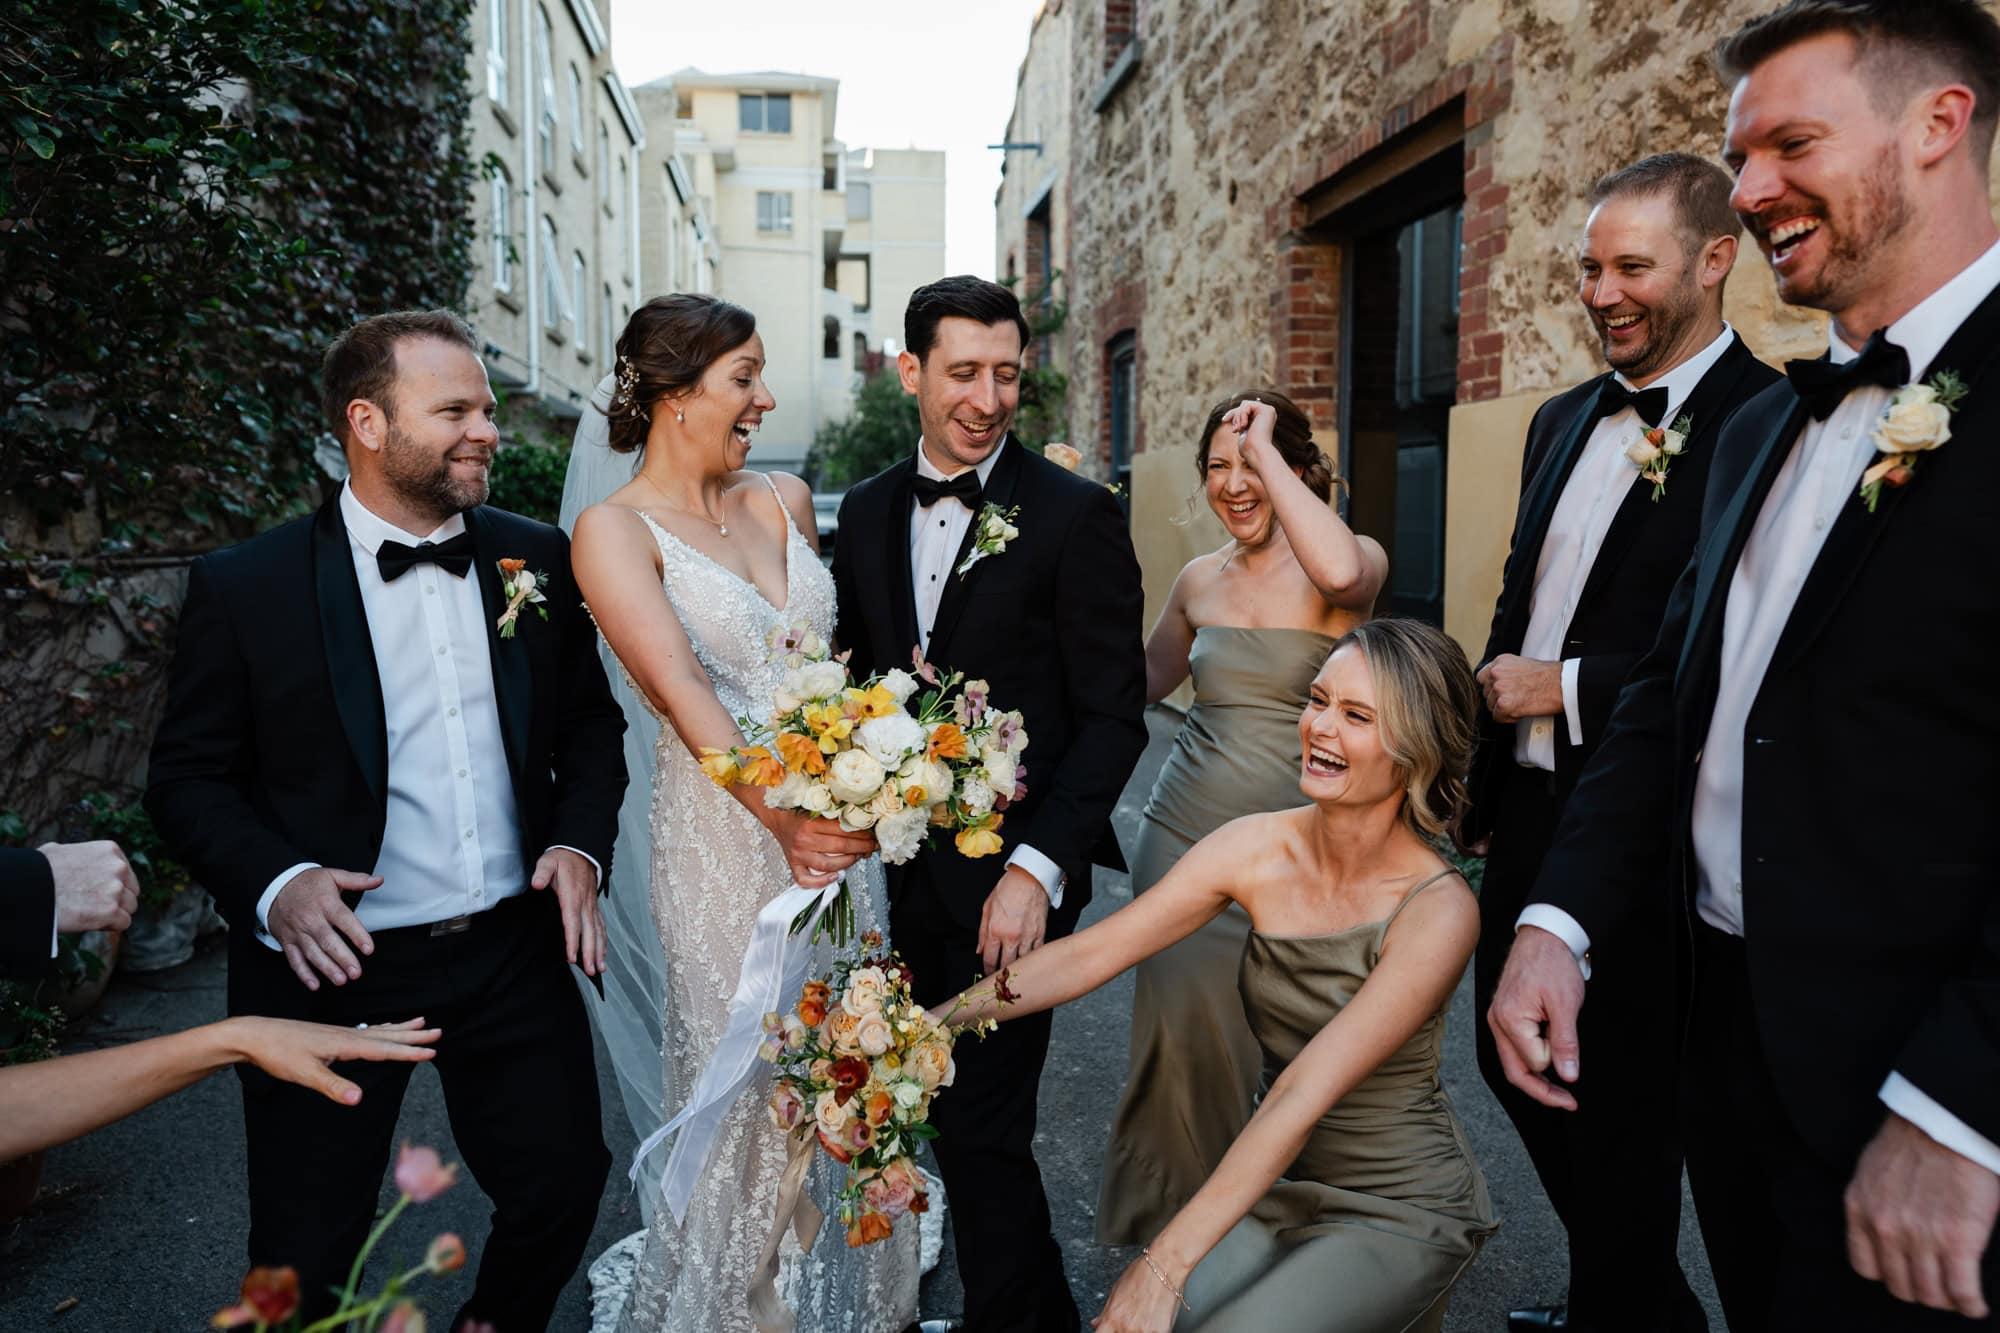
x,y
689,569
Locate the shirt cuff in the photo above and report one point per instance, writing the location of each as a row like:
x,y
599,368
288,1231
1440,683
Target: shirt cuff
x,y
1547,916
565,847
1047,872
270,895
1912,1103
55,935
1571,712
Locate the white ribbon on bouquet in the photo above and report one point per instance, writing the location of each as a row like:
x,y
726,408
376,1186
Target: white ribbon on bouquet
x,y
774,966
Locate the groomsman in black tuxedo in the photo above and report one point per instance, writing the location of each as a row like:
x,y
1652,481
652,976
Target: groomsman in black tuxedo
x,y
404,808
1052,621
1611,486
1809,752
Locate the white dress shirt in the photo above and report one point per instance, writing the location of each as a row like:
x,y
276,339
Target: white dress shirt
x,y
936,530
1822,474
451,843
1597,486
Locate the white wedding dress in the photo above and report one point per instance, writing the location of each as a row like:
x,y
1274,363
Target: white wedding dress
x,y
713,867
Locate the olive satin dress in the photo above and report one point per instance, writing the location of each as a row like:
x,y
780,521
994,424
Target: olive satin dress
x,y
1193,1073
1384,1207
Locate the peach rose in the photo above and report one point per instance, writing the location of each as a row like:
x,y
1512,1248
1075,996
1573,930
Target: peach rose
x,y
874,1036
931,1062
830,1114
843,1032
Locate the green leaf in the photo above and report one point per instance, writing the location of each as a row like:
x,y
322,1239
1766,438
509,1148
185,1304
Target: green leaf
x,y
43,146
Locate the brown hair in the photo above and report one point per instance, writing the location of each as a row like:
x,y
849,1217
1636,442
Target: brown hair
x,y
361,363
1698,189
668,345
1899,42
1291,433
1427,704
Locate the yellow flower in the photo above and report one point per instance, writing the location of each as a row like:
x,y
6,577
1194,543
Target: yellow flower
x,y
947,742
831,724
875,701
981,839
720,765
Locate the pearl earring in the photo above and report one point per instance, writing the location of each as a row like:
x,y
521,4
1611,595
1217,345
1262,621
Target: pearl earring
x,y
680,416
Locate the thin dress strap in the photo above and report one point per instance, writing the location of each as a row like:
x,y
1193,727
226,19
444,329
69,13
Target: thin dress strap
x,y
1447,872
784,510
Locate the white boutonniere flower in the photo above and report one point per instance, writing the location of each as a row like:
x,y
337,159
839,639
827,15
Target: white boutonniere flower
x,y
1917,420
522,587
1654,452
992,530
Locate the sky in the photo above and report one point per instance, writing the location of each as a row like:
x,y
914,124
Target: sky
x,y
913,74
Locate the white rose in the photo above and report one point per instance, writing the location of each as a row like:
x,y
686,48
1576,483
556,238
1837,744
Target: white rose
x,y
817,799
856,818
1001,770
892,739
854,776
930,775
899,683
789,794
817,680
901,834
976,795
829,1114
1913,423
1672,442
1641,452
908,1093
524,581
1008,532
790,694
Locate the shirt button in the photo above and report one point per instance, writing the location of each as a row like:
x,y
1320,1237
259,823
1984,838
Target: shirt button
x,y
468,833
1819,524
461,772
451,712
441,648
431,589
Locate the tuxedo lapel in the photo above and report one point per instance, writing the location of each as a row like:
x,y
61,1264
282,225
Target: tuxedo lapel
x,y
896,552
513,675
350,651
999,490
1545,488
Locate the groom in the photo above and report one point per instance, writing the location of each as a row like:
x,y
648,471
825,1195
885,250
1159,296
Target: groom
x,y
1052,622
403,812
1809,751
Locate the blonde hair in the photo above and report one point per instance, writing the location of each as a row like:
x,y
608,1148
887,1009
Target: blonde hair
x,y
1426,704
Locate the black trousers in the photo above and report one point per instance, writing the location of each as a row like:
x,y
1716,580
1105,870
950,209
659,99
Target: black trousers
x,y
1007,1253
1771,1209
520,1086
1612,1167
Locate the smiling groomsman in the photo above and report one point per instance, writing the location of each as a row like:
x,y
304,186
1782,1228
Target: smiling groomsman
x,y
1611,492
1810,754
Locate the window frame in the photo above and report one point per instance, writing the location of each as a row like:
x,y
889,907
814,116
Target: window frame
x,y
549,118
553,295
498,50
781,202
500,204
576,143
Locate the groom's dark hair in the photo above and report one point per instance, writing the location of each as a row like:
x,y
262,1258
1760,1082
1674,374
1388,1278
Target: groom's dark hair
x,y
361,363
1901,46
1697,188
962,297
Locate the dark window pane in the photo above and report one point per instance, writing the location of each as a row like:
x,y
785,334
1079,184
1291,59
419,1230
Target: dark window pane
x,y
778,113
749,111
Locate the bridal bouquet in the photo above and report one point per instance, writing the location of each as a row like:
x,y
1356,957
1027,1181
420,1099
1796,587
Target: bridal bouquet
x,y
858,1064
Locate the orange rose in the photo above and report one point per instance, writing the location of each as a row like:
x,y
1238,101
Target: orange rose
x,y
812,1012
513,566
867,1229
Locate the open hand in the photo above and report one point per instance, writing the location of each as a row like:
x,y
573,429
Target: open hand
x,y
1533,1016
1919,1217
1015,920
95,888
302,1053
1518,687
315,928
575,881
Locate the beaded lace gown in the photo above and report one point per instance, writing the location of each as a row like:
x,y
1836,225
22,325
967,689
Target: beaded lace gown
x,y
714,867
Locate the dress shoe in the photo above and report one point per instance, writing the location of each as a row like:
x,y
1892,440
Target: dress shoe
x,y
937,1326
1537,1317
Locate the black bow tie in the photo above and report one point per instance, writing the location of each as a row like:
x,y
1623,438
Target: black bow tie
x,y
1821,385
453,555
964,488
1650,404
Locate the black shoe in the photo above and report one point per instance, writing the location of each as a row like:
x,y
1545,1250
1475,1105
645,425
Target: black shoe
x,y
1537,1317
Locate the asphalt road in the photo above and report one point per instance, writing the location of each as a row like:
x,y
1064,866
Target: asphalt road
x,y
141,1226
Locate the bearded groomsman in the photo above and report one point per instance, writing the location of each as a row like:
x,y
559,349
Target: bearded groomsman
x,y
1809,752
1611,487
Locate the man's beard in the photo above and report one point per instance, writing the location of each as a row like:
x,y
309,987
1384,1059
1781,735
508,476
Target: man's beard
x,y
424,481
1877,213
1669,321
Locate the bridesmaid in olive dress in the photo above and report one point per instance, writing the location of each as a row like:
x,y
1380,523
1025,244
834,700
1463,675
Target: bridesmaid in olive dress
x,y
1350,1202
1253,623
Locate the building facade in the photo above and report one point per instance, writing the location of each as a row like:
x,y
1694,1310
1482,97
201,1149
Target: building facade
x,y
1374,206
558,262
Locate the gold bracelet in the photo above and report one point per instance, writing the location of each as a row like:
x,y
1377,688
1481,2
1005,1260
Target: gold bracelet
x,y
1146,1253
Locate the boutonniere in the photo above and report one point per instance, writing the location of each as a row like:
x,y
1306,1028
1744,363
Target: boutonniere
x,y
522,587
1655,451
992,530
1917,419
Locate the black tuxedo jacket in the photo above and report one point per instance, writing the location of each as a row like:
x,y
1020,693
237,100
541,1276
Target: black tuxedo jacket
x,y
274,749
1871,880
1052,623
1625,594
27,912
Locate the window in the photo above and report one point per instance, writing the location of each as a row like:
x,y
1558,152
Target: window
x,y
603,162
830,343
579,280
774,210
575,111
496,51
1123,355
502,220
545,76
624,185
860,199
610,333
829,174
764,113
553,296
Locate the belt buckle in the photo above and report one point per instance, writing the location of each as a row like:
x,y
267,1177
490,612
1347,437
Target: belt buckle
x,y
456,925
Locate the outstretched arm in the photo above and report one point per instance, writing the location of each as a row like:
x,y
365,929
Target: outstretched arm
x,y
54,1101
1422,959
